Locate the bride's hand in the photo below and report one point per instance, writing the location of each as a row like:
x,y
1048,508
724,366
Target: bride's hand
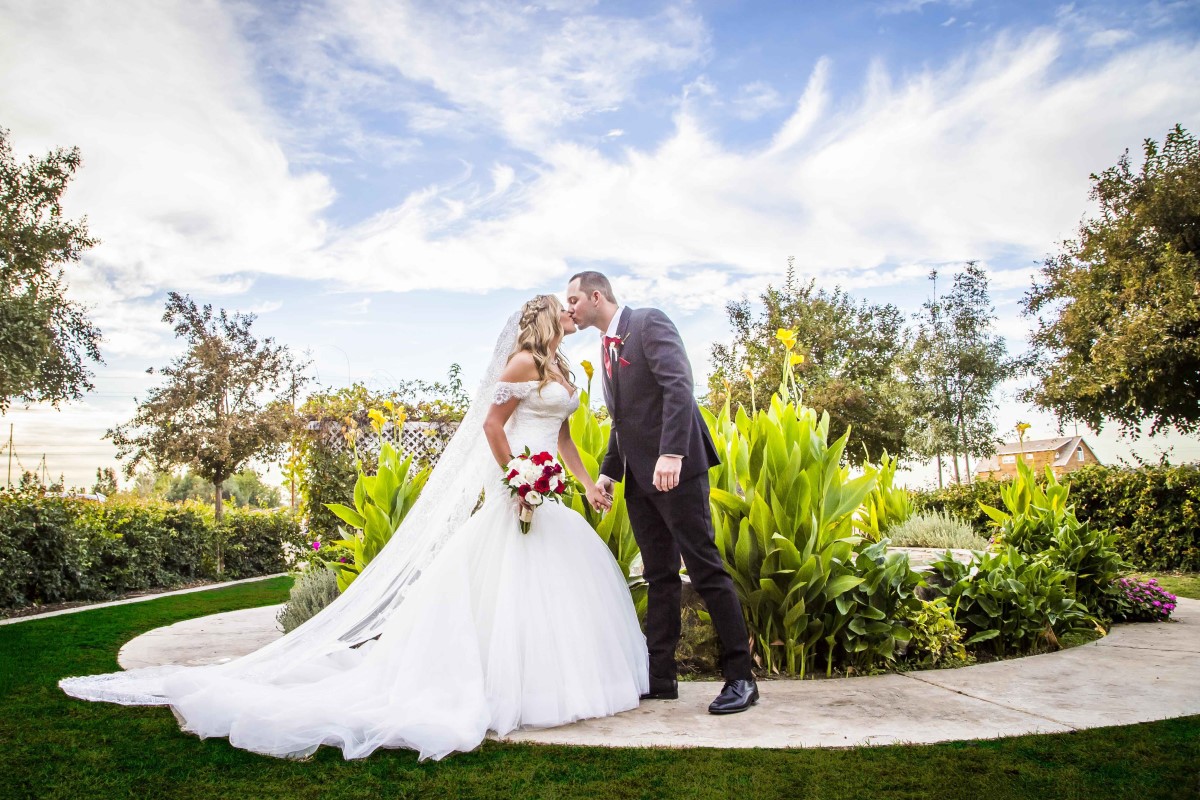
x,y
598,498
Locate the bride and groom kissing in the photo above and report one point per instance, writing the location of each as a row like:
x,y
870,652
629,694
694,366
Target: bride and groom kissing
x,y
463,624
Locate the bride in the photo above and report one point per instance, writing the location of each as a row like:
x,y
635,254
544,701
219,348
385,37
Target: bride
x,y
461,625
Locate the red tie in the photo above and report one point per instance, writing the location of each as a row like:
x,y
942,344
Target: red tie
x,y
606,343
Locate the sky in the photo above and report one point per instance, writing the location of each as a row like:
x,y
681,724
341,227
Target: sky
x,y
383,182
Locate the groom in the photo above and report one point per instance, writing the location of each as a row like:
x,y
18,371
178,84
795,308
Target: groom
x,y
660,447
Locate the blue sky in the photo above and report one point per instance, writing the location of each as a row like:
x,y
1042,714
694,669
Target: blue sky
x,y
382,182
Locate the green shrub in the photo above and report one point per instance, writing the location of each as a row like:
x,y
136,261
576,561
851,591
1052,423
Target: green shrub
x,y
1019,604
936,529
1154,510
313,590
1040,523
62,549
937,640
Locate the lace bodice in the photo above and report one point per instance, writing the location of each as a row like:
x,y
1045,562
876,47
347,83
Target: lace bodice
x,y
538,416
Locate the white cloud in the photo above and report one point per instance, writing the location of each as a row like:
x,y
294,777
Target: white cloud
x,y
183,181
1109,37
528,70
907,6
986,156
755,99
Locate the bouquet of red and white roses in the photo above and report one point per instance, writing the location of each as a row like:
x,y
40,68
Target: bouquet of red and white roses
x,y
535,478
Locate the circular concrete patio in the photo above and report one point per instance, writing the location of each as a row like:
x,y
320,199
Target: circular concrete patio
x,y
1138,673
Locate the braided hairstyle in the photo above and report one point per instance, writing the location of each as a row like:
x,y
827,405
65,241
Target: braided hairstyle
x,y
538,327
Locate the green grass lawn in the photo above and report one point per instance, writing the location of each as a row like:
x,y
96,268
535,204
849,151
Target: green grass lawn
x,y
1183,584
57,747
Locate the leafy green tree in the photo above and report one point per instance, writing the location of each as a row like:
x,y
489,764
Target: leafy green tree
x,y
954,368
1118,308
851,354
45,338
106,481
224,402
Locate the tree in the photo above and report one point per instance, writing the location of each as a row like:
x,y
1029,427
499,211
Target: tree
x,y
954,367
44,337
1118,308
106,481
851,353
225,401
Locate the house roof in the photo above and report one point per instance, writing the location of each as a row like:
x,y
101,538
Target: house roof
x,y
1063,447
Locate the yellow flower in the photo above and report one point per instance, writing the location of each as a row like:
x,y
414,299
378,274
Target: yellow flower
x,y
1021,428
748,373
787,336
727,384
588,369
797,358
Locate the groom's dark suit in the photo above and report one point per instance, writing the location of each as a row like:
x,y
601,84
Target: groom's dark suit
x,y
654,412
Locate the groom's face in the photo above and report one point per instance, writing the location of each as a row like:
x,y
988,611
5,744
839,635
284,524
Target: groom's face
x,y
580,306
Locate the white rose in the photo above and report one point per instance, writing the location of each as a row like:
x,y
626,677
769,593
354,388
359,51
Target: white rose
x,y
530,472
533,499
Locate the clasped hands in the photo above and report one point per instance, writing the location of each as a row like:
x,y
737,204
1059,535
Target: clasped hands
x,y
666,478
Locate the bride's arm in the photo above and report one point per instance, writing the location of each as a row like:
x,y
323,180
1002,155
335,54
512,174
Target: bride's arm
x,y
569,454
520,368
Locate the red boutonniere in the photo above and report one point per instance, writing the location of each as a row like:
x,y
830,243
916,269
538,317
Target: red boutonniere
x,y
613,341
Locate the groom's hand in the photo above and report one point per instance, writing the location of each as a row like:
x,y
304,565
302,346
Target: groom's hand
x,y
666,472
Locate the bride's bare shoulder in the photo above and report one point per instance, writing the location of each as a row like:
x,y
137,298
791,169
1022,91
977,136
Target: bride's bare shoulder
x,y
520,368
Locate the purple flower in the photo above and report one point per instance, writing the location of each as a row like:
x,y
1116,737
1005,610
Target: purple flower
x,y
1157,604
316,545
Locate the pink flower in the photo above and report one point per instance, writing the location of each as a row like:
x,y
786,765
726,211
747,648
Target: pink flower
x,y
316,545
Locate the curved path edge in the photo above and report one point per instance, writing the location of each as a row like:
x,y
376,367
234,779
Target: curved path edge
x,y
1138,673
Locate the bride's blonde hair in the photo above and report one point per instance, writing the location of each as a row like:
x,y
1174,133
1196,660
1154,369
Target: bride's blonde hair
x,y
539,326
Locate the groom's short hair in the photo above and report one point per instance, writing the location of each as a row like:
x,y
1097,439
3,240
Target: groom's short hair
x,y
592,281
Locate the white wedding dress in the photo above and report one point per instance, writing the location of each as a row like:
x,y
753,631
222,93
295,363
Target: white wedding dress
x,y
495,630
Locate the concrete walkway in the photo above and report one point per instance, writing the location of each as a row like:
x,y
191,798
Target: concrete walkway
x,y
1138,673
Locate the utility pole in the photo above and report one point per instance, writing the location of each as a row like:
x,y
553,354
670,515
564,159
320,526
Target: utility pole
x,y
10,454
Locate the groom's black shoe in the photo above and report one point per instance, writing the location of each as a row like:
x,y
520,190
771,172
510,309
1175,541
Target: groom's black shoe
x,y
662,689
736,696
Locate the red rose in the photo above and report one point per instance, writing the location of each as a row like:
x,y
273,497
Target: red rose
x,y
557,468
542,485
512,475
523,490
562,487
542,458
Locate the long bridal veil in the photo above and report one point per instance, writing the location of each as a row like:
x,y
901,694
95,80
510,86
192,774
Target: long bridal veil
x,y
359,613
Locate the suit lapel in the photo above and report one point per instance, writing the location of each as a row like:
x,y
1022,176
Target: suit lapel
x,y
622,332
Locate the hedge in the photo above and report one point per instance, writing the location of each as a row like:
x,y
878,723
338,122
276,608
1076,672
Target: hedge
x,y
59,549
1154,510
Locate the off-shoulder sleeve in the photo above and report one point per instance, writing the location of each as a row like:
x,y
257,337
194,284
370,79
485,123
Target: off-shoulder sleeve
x,y
507,391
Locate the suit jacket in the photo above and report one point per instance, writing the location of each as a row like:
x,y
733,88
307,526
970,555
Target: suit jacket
x,y
651,402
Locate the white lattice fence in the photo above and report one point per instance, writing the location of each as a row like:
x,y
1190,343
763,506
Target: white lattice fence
x,y
423,440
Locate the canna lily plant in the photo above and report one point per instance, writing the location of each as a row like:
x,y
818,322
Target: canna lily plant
x,y
381,501
783,508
